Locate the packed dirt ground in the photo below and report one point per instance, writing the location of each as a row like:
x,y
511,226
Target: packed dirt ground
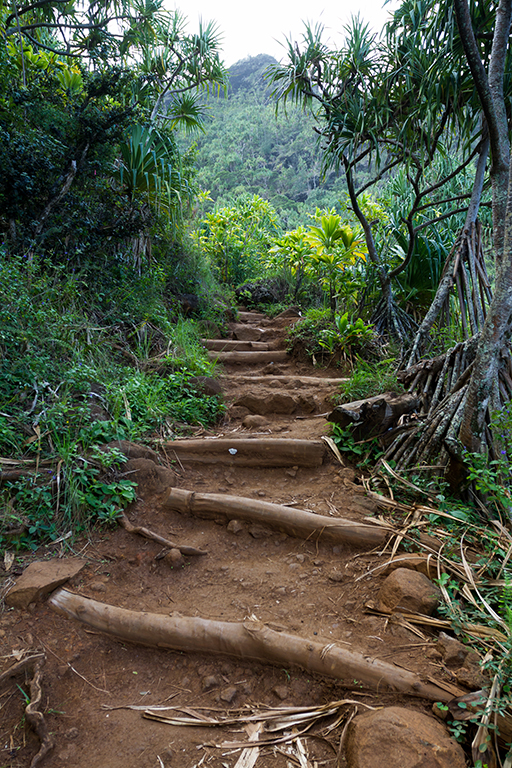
x,y
309,587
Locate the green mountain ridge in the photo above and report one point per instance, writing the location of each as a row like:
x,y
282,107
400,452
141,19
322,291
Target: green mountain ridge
x,y
248,149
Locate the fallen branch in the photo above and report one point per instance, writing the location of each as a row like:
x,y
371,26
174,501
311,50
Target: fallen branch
x,y
187,551
248,639
250,452
295,522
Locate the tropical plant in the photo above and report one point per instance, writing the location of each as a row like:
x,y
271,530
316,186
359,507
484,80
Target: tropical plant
x,y
335,247
291,251
237,238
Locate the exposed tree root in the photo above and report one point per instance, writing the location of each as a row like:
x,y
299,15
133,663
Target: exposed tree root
x,y
248,639
34,717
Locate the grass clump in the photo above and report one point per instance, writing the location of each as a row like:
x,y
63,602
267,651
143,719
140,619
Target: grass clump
x,y
370,378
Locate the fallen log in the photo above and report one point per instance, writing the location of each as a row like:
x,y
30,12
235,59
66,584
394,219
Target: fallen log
x,y
375,415
277,356
249,639
232,345
295,522
249,452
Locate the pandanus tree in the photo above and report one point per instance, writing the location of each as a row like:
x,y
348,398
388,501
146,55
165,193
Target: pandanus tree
x,y
380,105
438,86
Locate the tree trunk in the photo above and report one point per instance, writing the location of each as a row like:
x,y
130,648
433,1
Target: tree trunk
x,y
482,392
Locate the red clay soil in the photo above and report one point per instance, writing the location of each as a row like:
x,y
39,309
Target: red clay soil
x,y
299,586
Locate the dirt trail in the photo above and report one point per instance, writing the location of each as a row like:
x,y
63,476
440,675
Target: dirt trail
x,y
315,589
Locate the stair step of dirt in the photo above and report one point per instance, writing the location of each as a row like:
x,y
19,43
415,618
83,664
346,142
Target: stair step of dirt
x,y
251,317
231,345
249,358
283,379
248,452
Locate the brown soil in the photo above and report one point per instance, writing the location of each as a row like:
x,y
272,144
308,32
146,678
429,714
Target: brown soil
x,y
300,586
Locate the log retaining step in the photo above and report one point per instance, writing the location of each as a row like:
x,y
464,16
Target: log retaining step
x,y
249,452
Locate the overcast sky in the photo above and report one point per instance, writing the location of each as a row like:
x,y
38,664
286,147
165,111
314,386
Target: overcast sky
x,y
258,26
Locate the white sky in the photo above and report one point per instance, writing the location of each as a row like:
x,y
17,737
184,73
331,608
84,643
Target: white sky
x,y
250,27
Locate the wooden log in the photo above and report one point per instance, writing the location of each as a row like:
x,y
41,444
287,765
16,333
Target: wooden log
x,y
247,452
231,345
248,640
375,415
295,522
277,356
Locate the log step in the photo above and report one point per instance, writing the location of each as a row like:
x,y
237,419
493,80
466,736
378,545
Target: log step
x,y
296,522
232,345
250,357
248,452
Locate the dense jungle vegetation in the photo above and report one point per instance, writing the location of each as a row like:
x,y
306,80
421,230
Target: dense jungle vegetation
x,y
145,190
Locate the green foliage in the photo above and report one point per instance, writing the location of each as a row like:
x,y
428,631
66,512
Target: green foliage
x,y
248,149
363,452
336,247
236,239
65,389
346,334
319,333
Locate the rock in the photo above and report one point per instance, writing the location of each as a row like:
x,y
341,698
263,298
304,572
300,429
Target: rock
x,y
254,421
210,681
277,402
413,563
97,586
228,694
246,333
272,369
40,578
454,652
337,576
471,677
363,506
259,531
174,558
395,737
167,755
206,385
281,691
150,477
236,526
409,591
290,312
